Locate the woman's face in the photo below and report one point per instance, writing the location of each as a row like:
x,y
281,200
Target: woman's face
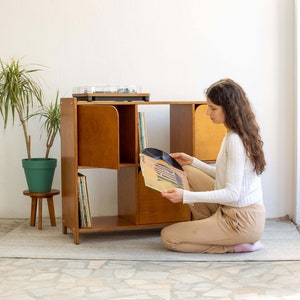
x,y
215,112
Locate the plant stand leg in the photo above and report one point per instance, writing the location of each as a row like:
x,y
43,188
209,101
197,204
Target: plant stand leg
x,y
40,223
33,211
51,211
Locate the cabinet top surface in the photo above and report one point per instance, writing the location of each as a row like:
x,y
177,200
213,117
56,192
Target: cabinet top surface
x,y
152,102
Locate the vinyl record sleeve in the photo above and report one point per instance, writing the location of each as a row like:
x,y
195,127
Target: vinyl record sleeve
x,y
161,173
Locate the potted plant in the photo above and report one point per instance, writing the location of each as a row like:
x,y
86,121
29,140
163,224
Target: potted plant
x,y
40,171
20,93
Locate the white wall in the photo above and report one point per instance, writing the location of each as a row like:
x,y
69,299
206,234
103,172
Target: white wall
x,y
173,50
297,162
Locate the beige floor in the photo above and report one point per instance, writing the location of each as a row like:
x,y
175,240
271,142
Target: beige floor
x,y
110,279
68,279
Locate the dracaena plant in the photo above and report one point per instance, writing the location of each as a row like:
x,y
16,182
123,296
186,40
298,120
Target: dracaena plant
x,y
49,115
20,92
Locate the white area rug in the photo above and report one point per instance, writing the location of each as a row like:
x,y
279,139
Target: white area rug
x,y
281,241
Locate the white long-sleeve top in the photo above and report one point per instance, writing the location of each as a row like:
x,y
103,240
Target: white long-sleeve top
x,y
236,183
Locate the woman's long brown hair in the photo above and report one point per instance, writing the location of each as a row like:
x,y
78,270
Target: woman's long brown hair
x,y
239,118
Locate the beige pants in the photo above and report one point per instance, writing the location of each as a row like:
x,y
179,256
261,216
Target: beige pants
x,y
215,228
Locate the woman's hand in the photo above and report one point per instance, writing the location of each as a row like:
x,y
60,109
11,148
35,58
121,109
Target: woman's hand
x,y
174,195
182,158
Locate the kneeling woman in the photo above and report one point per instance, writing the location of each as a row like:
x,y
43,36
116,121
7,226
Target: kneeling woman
x,y
226,200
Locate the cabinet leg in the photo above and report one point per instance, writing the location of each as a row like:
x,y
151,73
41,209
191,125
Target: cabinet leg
x,y
76,237
64,228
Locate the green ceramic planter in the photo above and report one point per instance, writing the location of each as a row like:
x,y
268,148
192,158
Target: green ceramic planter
x,y
39,173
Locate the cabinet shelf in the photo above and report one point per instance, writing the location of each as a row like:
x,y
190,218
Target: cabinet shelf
x,y
107,223
121,165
